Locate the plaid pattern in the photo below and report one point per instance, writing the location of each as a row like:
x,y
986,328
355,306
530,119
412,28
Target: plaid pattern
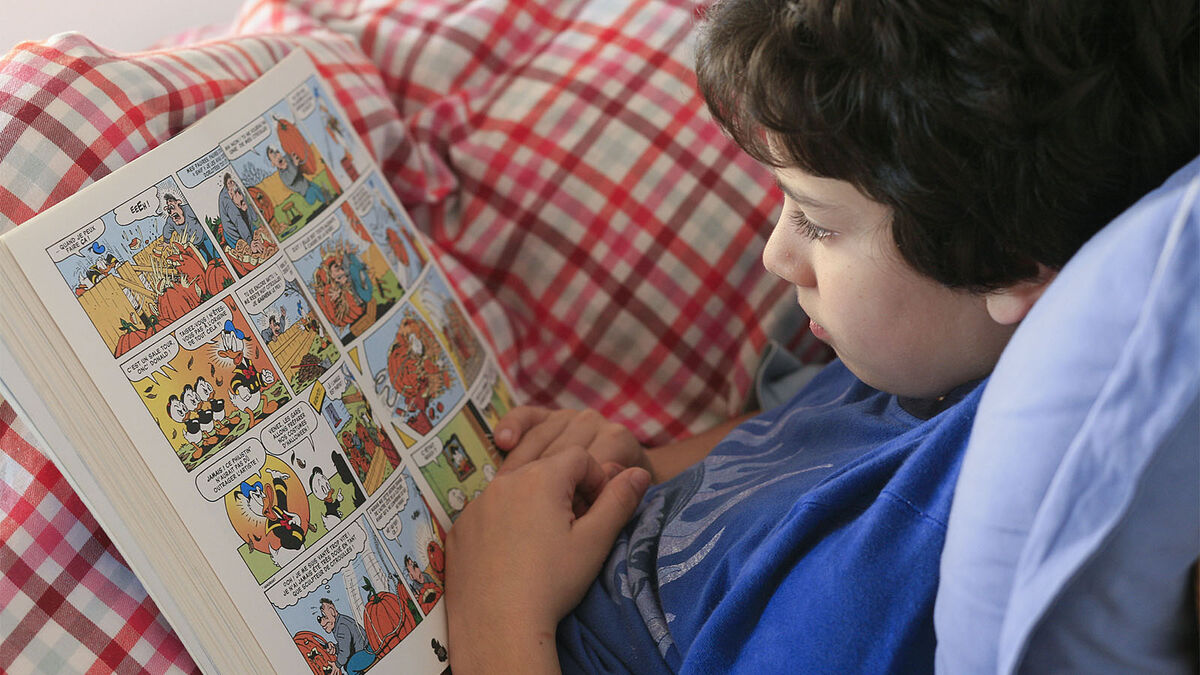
x,y
556,154
68,602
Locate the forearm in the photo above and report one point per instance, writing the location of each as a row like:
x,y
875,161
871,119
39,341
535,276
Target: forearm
x,y
669,460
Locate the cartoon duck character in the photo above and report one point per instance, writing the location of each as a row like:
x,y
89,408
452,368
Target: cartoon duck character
x,y
191,402
214,406
284,529
321,489
247,382
204,391
103,267
177,410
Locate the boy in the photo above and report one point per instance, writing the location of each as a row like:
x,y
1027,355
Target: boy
x,y
939,161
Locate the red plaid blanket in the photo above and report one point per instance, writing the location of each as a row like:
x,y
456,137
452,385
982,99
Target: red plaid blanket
x,y
557,156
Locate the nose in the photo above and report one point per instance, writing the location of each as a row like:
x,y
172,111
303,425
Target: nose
x,y
787,255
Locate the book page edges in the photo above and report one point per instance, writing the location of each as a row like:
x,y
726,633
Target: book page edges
x,y
51,399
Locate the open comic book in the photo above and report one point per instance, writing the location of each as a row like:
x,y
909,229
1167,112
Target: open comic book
x,y
240,352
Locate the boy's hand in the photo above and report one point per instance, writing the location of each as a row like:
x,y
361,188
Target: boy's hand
x,y
529,432
519,557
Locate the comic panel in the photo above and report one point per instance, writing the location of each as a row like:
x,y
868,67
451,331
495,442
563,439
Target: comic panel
x,y
347,275
369,452
459,461
212,187
348,595
141,266
294,160
284,490
413,537
289,327
438,303
389,226
207,383
491,397
412,371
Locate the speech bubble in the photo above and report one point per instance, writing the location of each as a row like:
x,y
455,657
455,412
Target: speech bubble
x,y
142,206
204,327
312,236
229,470
152,361
289,426
337,383
71,244
204,168
429,452
481,395
302,101
393,528
246,138
265,290
389,504
316,570
456,498
433,304
361,200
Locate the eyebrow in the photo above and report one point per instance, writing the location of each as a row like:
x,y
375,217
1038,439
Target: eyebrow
x,y
799,198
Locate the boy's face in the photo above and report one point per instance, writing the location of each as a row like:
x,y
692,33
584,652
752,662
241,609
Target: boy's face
x,y
895,329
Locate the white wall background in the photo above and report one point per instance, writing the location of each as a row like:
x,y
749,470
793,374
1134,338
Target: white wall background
x,y
122,25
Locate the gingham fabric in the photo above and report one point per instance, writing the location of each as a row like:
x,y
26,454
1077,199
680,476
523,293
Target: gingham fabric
x,y
599,227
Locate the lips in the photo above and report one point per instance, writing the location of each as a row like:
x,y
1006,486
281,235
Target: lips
x,y
819,331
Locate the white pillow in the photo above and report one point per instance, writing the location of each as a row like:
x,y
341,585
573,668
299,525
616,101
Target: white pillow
x,y
1076,519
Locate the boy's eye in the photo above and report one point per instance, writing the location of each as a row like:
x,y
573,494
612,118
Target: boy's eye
x,y
807,227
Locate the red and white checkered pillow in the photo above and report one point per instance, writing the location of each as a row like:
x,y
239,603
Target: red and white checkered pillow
x,y
556,154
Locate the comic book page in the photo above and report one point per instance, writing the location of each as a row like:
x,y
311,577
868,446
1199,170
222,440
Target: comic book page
x,y
294,369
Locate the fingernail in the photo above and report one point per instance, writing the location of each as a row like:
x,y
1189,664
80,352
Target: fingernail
x,y
505,437
640,480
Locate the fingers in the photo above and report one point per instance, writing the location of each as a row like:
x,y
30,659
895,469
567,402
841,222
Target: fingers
x,y
512,426
527,446
590,485
611,509
545,432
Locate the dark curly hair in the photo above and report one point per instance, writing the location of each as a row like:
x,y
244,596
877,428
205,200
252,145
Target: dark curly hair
x,y
1002,133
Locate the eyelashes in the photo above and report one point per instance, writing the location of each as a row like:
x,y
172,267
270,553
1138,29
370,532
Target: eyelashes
x,y
807,227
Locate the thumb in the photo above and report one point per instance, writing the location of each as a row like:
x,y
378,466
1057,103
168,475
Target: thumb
x,y
612,508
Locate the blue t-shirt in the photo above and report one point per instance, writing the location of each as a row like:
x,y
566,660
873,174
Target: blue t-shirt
x,y
807,541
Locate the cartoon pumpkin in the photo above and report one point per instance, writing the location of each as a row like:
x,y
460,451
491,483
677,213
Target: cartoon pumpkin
x,y
387,619
318,652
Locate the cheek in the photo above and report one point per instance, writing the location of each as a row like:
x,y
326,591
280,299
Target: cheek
x,y
873,309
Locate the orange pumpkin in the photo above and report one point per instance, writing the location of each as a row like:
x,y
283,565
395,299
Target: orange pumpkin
x,y
387,620
398,250
355,222
437,559
265,207
318,652
130,340
216,277
176,301
293,143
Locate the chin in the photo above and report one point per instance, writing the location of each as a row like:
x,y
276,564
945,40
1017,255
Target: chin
x,y
904,385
